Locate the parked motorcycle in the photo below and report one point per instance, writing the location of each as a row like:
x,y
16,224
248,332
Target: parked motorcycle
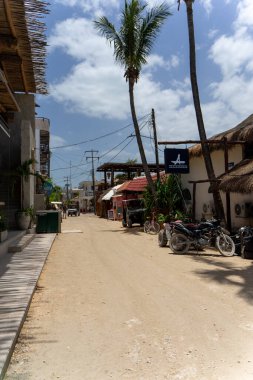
x,y
205,234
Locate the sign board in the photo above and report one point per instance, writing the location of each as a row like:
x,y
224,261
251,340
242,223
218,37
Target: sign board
x,y
176,160
48,188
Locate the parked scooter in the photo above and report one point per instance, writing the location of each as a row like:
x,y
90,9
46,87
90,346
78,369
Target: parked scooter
x,y
205,234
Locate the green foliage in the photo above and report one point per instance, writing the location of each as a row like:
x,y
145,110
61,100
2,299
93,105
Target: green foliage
x,y
161,218
22,172
168,200
29,211
56,195
135,38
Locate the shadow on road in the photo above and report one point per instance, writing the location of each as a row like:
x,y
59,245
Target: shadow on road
x,y
130,231
228,273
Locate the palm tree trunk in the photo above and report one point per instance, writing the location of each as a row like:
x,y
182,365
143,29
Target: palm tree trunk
x,y
138,136
196,100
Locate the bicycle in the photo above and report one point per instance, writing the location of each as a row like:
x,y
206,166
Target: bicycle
x,y
151,226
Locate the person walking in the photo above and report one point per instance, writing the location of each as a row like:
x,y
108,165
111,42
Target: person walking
x,y
64,211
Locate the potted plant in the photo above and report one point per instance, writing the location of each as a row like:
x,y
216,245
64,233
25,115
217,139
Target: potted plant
x,y
3,228
24,215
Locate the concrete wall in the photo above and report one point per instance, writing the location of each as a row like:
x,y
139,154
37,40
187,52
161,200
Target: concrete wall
x,y
39,202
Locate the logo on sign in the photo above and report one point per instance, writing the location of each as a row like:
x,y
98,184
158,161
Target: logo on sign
x,y
176,160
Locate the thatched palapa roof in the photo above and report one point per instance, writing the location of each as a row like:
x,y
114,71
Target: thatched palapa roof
x,y
242,132
22,49
239,179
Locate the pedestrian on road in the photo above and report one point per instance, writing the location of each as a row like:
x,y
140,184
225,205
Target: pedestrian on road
x,y
64,211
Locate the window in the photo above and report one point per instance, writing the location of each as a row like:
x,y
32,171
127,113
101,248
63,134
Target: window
x,y
248,150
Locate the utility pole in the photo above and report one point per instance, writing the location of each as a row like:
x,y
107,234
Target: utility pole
x,y
156,145
70,167
93,173
67,186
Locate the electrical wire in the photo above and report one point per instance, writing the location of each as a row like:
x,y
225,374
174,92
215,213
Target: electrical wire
x,y
129,142
133,137
96,138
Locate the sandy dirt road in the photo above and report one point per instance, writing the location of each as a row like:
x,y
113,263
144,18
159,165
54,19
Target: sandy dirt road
x,y
111,304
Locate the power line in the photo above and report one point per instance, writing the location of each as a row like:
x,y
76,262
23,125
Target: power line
x,y
122,149
73,166
96,138
116,146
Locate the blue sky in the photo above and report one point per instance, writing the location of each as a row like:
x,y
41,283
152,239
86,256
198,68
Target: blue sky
x,y
88,95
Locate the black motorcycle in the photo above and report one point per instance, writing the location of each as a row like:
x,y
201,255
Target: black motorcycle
x,y
205,234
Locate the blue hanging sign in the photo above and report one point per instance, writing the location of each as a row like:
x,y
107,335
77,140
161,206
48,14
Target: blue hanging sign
x,y
176,160
48,188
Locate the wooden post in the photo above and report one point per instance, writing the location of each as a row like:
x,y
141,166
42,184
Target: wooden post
x,y
228,202
112,178
156,146
194,201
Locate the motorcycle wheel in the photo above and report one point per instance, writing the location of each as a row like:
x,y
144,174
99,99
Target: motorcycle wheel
x,y
162,238
179,243
225,245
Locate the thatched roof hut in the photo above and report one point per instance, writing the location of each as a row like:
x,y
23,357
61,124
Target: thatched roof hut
x,y
239,179
242,132
22,49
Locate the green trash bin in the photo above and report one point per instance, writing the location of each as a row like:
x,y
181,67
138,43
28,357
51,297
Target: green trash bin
x,y
41,225
48,221
53,221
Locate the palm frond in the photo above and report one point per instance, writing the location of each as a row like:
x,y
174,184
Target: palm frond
x,y
107,30
149,29
134,40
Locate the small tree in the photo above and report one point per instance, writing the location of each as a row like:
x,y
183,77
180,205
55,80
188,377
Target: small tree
x,y
56,195
168,196
23,172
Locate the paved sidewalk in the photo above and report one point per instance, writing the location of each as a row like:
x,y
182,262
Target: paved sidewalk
x,y
19,273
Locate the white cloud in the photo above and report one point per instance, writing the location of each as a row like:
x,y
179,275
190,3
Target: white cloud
x,y
56,141
77,38
91,6
156,61
245,13
207,4
95,91
233,54
96,86
152,3
212,33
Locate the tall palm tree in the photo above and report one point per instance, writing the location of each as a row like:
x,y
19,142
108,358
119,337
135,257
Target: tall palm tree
x,y
132,45
200,122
